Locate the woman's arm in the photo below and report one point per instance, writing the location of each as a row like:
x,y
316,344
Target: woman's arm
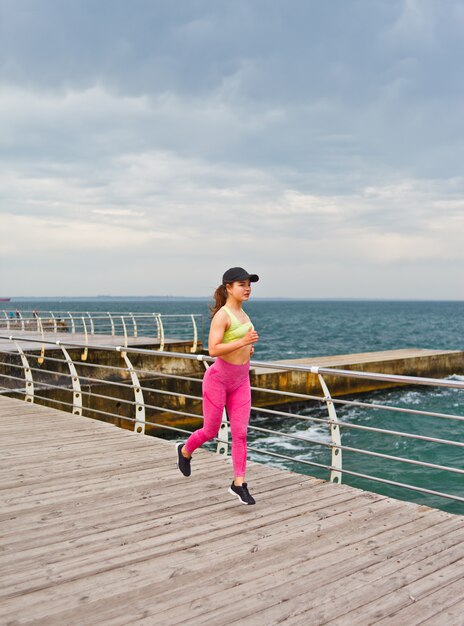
x,y
216,334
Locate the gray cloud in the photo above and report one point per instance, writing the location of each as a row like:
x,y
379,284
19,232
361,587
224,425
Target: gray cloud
x,y
326,137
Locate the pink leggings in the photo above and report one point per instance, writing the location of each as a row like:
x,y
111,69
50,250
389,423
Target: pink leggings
x,y
225,385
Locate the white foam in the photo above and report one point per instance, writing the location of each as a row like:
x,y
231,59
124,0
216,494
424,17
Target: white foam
x,y
455,377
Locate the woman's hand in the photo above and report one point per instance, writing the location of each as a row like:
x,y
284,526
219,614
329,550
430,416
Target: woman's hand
x,y
250,338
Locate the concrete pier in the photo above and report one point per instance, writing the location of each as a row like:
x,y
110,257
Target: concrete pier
x,y
404,362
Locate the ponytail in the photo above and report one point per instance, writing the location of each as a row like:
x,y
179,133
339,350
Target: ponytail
x,y
220,298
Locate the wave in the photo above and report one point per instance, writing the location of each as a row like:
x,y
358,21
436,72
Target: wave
x,y
455,377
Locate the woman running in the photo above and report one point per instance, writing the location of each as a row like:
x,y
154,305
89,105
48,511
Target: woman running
x,y
227,382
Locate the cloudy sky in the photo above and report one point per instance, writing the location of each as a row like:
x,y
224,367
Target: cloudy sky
x,y
147,146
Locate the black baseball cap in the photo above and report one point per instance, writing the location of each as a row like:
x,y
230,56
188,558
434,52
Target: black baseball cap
x,y
238,273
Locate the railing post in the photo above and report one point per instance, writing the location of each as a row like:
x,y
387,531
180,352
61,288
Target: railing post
x,y
42,351
193,349
77,393
125,330
134,324
139,424
22,320
27,374
335,474
73,326
155,315
7,320
92,329
161,327
55,327
112,325
86,349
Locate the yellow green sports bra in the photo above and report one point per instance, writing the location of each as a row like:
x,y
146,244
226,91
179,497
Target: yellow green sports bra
x,y
237,329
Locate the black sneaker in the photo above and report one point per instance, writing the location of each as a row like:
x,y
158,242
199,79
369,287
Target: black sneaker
x,y
182,463
242,493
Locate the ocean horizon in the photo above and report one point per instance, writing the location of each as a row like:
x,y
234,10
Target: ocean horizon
x,y
272,298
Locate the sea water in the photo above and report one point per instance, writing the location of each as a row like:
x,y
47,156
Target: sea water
x,y
307,328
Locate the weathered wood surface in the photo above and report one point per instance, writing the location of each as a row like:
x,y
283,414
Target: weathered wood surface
x,y
80,338
341,360
99,527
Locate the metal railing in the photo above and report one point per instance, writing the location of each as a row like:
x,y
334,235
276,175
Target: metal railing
x,y
20,375
181,327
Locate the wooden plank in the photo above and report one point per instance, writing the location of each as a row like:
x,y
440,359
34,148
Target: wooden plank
x,y
294,580
118,583
448,615
360,598
192,549
116,498
444,606
218,577
146,541
143,528
101,528
34,531
183,545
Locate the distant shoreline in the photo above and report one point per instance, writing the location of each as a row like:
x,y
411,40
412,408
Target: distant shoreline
x,y
209,298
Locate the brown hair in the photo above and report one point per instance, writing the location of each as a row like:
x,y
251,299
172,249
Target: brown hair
x,y
220,298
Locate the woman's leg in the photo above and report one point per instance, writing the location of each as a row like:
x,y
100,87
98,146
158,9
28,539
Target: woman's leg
x,y
238,408
214,398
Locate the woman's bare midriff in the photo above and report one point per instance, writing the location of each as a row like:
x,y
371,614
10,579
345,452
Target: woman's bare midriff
x,y
239,356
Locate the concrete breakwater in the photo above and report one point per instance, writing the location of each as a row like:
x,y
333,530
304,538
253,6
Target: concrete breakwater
x,y
172,387
403,362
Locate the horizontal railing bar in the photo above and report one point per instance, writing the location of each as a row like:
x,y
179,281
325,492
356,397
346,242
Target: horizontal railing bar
x,y
397,409
101,313
344,424
95,314
407,380
104,381
394,378
397,433
135,420
97,366
387,407
277,392
10,377
122,417
128,386
272,391
99,381
44,385
431,492
359,475
290,458
356,450
293,394
257,409
109,414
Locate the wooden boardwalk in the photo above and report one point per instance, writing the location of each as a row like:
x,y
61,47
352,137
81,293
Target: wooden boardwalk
x,y
98,527
89,340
